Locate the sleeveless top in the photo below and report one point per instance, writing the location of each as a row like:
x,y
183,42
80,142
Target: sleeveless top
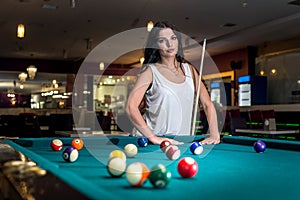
x,y
169,105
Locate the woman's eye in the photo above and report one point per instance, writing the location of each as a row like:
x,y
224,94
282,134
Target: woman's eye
x,y
174,37
161,40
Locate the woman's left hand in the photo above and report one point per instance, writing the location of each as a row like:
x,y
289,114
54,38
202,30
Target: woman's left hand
x,y
211,140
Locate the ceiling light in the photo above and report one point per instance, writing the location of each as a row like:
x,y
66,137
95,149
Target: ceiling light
x,y
22,77
150,26
31,71
21,86
21,31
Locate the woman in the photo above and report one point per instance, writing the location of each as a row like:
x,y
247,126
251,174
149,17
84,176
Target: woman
x,y
168,86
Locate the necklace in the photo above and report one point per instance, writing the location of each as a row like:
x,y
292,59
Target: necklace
x,y
174,69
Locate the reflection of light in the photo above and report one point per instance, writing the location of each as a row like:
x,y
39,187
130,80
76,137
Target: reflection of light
x,y
110,76
21,86
298,81
262,72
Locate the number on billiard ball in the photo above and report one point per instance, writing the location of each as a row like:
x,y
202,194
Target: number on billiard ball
x,y
56,144
70,154
143,141
187,167
164,144
259,146
196,148
160,176
116,167
137,173
77,143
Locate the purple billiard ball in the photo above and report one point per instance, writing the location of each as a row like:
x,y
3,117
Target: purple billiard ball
x,y
143,141
260,146
196,148
70,154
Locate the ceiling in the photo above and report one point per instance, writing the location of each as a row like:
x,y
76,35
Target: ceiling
x,y
70,29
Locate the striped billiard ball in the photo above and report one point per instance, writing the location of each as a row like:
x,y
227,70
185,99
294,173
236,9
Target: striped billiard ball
x,y
70,154
160,176
196,148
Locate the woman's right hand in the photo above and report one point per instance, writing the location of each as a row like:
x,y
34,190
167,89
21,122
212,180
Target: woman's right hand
x,y
158,140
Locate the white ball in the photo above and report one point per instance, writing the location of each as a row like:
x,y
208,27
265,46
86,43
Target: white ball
x,y
131,150
116,166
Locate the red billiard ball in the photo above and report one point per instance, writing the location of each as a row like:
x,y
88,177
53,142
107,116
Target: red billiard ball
x,y
70,154
137,173
259,146
187,167
77,143
56,144
196,148
164,144
173,152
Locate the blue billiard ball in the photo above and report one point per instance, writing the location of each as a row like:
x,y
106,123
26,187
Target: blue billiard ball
x,y
196,148
143,141
259,146
70,154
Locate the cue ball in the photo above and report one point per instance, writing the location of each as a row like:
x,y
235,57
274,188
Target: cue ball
x,y
70,154
130,150
137,173
118,153
56,144
196,148
259,146
116,167
160,176
187,167
143,141
173,152
77,143
164,144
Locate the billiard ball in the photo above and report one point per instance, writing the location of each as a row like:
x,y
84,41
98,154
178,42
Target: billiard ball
x,y
196,148
160,176
143,141
173,152
137,173
77,143
116,167
56,144
70,154
130,150
164,144
187,167
259,146
117,153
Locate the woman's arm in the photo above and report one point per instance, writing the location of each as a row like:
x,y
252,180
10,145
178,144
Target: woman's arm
x,y
209,109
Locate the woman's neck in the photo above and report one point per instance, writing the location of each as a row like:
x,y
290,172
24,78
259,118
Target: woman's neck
x,y
169,62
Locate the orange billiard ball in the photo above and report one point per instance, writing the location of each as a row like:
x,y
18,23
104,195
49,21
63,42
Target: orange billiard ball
x,y
77,143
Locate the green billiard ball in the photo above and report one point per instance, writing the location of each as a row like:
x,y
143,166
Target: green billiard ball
x,y
160,176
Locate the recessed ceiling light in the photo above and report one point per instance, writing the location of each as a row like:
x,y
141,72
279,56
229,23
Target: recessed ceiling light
x,y
295,2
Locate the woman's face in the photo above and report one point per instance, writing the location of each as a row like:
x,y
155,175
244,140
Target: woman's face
x,y
167,43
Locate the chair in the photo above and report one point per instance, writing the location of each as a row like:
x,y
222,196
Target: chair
x,y
255,119
60,122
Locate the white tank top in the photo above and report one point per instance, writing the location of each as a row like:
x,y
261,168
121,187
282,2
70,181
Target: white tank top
x,y
169,105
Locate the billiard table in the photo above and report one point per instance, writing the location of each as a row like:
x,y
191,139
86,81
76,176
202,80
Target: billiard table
x,y
30,169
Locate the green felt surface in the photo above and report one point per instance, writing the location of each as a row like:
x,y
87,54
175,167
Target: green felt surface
x,y
226,171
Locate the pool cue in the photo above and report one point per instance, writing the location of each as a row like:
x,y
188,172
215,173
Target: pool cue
x,y
198,89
